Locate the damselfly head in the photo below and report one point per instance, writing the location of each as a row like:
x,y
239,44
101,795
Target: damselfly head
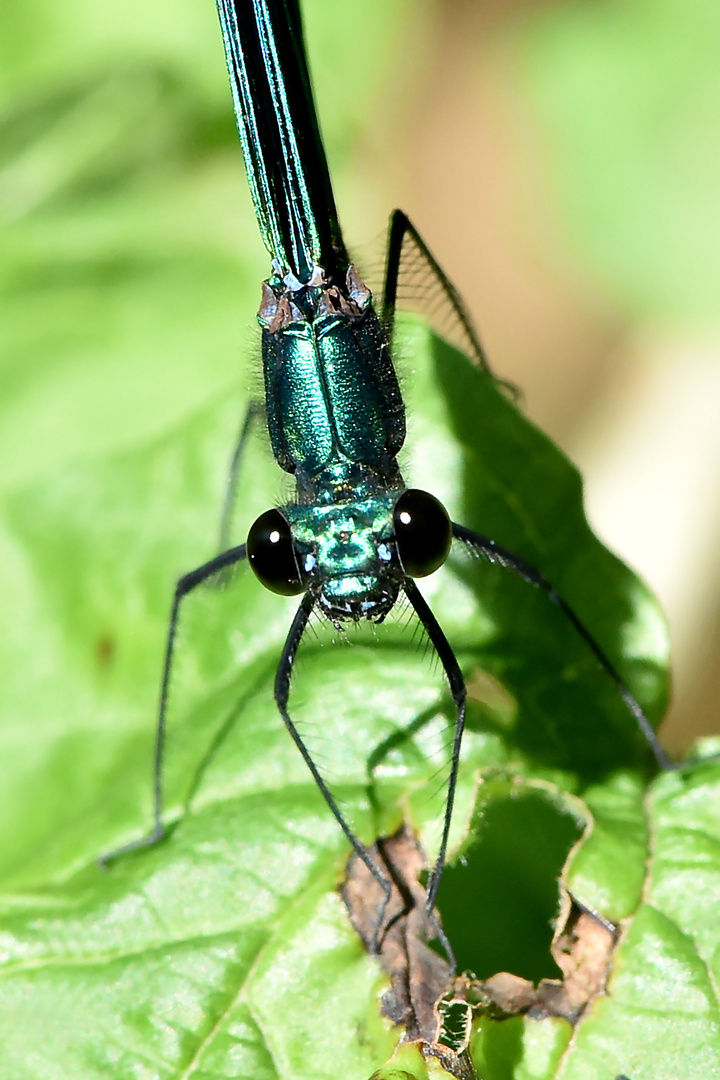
x,y
352,556
343,554
347,554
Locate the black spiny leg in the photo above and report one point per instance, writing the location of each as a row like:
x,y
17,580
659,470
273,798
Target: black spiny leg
x,y
481,545
457,688
185,585
253,413
282,691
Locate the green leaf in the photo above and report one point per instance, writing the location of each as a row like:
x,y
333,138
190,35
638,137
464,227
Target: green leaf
x,y
607,872
180,958
660,1016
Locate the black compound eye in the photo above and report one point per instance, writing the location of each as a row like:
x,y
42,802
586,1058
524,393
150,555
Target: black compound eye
x,y
272,555
423,532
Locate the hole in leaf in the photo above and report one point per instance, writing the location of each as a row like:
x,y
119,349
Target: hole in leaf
x,y
499,902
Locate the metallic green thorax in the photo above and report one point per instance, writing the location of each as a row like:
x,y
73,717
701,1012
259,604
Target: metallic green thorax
x,y
336,421
335,414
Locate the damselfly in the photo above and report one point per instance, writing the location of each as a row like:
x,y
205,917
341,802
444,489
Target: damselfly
x,y
355,537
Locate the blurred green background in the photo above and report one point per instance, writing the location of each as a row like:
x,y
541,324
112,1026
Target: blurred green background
x,y
562,160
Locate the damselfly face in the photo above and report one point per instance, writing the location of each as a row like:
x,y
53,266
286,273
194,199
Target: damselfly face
x,y
347,553
353,556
